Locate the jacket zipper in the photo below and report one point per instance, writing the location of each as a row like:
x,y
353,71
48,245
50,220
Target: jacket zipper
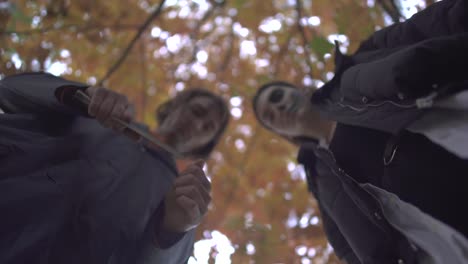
x,y
333,170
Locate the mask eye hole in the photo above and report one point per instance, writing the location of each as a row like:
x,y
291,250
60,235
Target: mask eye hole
x,y
276,96
198,110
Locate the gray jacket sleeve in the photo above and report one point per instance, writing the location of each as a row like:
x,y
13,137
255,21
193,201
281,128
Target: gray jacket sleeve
x,y
35,93
171,248
178,253
443,18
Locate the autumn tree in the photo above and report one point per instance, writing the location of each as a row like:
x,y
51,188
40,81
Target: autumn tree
x,y
151,49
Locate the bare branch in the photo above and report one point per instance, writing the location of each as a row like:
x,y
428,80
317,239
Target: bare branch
x,y
282,52
196,31
397,9
132,43
74,27
229,52
391,9
205,18
194,36
300,28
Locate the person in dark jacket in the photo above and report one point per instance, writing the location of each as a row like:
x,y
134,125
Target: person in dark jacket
x,y
338,157
364,117
74,191
397,76
282,109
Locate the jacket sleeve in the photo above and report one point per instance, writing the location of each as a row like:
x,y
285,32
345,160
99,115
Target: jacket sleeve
x,y
164,247
410,72
35,93
443,18
178,253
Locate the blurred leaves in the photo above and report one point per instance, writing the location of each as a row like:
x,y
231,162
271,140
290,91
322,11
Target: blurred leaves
x,y
17,16
231,50
321,46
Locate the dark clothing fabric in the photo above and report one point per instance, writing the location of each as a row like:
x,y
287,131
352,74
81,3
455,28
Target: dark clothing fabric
x,y
431,178
391,81
412,173
379,86
73,191
439,19
352,217
359,152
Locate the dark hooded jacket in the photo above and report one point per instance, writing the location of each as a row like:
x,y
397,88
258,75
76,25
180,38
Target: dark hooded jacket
x,y
389,82
400,71
73,191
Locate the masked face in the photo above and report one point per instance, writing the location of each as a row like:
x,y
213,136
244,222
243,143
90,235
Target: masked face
x,y
281,108
192,125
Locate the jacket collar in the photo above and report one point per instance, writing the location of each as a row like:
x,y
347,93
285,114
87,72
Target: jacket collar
x,y
342,63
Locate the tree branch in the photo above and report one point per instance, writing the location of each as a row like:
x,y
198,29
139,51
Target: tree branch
x,y
281,54
194,33
132,43
229,52
391,9
205,18
301,30
191,58
397,9
77,28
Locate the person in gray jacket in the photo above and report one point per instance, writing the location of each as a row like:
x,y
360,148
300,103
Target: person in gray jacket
x,y
74,189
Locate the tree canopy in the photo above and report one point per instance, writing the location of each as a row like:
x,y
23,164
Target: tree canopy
x,y
151,49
